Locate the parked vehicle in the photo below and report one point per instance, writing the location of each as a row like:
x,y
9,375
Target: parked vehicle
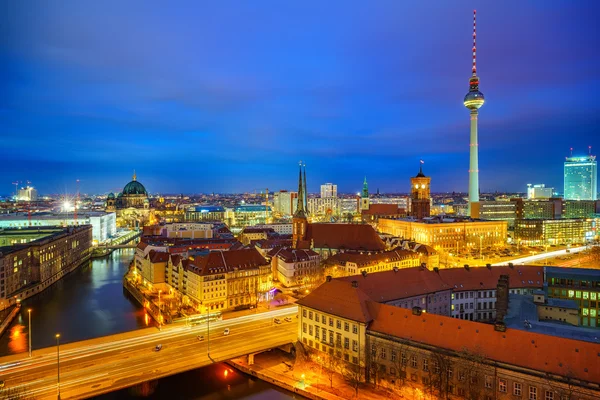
x,y
200,337
288,319
277,320
226,332
158,347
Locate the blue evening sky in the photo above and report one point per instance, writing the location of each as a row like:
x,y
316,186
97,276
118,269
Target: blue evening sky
x,y
228,96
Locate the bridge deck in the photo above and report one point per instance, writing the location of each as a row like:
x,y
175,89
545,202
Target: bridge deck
x,y
94,367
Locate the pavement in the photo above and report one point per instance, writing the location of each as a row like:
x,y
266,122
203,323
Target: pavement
x,y
106,364
278,368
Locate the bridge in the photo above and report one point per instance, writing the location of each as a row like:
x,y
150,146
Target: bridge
x,y
93,367
118,246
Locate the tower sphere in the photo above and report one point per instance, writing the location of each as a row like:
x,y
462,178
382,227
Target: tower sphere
x,y
474,100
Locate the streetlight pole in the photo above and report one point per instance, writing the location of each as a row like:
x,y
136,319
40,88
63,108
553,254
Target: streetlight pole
x,y
159,312
208,329
480,239
29,312
58,364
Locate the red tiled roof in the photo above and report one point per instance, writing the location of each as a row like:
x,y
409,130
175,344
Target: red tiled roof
x,y
273,243
257,230
158,256
383,209
225,261
406,282
344,236
339,298
424,249
142,245
371,259
176,259
480,278
544,353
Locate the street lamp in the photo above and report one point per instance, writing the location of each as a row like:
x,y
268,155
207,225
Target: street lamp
x,y
480,239
159,312
58,364
29,312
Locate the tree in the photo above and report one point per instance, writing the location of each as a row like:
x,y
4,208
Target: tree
x,y
399,360
352,373
470,364
562,385
439,374
595,254
331,365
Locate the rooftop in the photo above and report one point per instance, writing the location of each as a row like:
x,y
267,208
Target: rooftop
x,y
366,259
344,236
555,355
479,278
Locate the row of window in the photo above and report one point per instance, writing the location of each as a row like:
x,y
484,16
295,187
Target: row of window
x,y
324,319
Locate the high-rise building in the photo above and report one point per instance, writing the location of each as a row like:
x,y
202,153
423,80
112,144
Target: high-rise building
x,y
284,202
420,195
328,190
581,178
27,193
538,192
473,101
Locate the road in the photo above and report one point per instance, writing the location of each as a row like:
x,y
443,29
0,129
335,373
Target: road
x,y
541,256
98,366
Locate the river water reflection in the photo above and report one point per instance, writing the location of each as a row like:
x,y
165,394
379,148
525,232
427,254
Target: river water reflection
x,y
90,302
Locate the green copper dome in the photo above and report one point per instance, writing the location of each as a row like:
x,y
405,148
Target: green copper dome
x,y
111,196
134,187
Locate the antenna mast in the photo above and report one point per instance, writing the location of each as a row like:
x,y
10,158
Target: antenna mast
x,y
474,43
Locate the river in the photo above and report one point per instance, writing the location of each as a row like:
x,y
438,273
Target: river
x,y
90,302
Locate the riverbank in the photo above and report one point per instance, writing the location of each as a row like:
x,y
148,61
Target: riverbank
x,y
7,316
308,379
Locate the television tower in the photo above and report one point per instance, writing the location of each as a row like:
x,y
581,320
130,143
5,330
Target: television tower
x,y
473,100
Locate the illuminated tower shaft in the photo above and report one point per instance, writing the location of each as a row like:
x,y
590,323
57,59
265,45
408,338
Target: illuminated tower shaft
x,y
473,100
473,162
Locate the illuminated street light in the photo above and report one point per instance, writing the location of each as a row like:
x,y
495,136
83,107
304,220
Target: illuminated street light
x,y
58,364
29,312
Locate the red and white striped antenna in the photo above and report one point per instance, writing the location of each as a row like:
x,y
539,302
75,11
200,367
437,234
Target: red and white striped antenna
x,y
474,43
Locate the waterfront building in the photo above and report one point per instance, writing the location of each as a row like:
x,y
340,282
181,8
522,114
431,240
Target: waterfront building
x,y
441,355
447,233
296,268
28,193
205,213
580,285
328,190
104,224
541,232
347,264
420,195
473,100
132,205
581,178
29,267
537,192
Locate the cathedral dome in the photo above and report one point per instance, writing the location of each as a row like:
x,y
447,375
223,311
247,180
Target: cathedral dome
x,y
111,196
134,187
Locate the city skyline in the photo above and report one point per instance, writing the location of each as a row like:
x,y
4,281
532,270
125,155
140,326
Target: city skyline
x,y
217,103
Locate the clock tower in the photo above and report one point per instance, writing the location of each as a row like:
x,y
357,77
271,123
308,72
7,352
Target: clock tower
x,y
420,195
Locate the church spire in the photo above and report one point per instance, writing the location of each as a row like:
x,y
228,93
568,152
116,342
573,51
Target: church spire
x,y
300,212
365,190
305,190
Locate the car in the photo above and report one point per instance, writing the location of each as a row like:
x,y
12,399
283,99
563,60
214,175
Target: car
x,y
226,332
158,347
200,337
288,319
277,320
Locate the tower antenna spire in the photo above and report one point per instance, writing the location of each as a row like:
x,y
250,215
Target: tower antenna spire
x,y
474,43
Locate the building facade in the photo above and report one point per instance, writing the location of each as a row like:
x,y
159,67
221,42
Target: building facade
x,y
541,232
329,190
296,268
448,234
579,285
536,192
581,178
420,195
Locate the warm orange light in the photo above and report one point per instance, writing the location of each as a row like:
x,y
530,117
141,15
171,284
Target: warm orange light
x,y
225,373
146,319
